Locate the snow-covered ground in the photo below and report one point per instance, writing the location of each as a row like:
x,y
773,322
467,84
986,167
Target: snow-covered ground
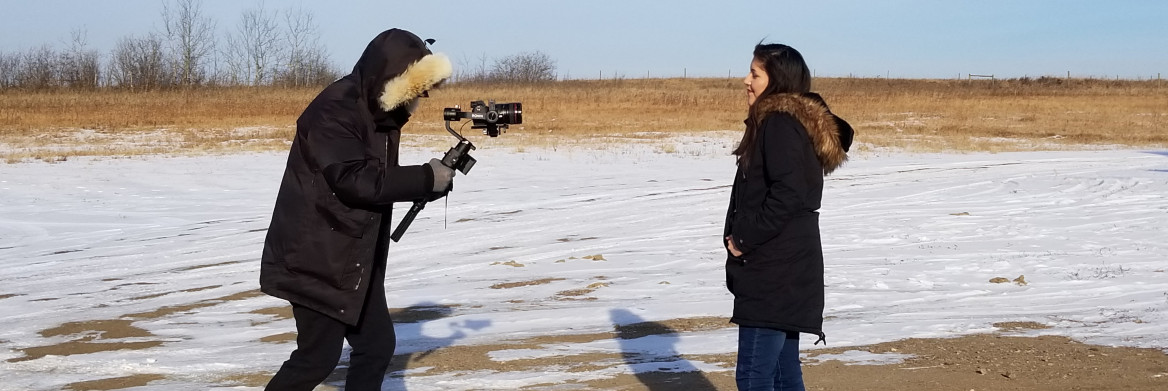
x,y
117,267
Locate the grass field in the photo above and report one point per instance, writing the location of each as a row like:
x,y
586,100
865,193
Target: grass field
x,y
922,115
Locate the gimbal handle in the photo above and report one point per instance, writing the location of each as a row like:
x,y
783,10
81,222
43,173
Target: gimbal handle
x,y
458,158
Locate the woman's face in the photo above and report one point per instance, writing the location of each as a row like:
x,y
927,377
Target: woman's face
x,y
756,81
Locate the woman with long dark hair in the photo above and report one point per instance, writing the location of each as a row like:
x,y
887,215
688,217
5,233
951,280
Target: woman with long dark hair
x,y
775,259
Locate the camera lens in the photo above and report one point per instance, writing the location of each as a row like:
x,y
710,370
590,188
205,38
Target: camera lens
x,y
510,113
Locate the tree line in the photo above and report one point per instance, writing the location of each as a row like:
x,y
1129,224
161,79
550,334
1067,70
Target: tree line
x,y
264,48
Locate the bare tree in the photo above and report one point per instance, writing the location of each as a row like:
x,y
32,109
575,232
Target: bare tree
x,y
38,68
191,35
253,51
305,59
531,67
79,66
468,72
9,64
139,63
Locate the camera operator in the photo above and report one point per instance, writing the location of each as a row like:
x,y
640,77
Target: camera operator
x,y
326,249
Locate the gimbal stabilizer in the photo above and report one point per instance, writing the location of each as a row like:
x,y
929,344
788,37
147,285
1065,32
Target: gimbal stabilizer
x,y
491,118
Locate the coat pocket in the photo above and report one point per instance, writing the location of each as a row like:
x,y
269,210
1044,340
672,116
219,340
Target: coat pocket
x,y
339,217
799,240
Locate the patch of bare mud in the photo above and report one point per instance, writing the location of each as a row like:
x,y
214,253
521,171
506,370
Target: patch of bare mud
x,y
281,312
509,285
995,362
114,383
151,296
576,294
105,335
279,338
174,309
1019,326
978,362
90,337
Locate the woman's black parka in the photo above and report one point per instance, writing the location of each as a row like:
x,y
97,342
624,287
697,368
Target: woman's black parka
x,y
773,215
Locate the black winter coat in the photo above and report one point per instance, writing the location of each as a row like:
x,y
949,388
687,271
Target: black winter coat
x,y
773,215
331,218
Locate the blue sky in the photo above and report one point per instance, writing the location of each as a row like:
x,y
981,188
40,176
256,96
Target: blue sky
x,y
896,38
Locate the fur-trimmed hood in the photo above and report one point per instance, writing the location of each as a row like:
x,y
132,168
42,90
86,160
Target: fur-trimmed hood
x,y
396,67
419,77
830,135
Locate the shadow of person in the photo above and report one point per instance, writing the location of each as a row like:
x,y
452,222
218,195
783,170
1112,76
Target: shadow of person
x,y
648,349
407,325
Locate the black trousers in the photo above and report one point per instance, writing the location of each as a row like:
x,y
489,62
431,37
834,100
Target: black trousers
x,y
320,339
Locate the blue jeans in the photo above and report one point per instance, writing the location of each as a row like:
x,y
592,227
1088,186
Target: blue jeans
x,y
768,360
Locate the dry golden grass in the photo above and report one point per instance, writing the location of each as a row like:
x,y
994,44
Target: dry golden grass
x,y
925,115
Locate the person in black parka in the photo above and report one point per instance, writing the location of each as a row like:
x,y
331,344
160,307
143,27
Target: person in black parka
x,y
775,260
326,248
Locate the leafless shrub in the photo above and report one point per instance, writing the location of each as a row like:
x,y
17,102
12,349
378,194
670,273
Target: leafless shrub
x,y
37,68
139,63
9,64
530,67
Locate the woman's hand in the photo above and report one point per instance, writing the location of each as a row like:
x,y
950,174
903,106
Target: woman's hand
x,y
730,246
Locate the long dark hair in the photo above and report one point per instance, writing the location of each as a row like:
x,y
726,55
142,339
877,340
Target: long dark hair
x,y
786,73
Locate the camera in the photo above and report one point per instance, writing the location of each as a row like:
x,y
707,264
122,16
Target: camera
x,y
491,117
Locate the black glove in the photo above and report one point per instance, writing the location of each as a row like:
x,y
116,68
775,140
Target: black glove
x,y
443,180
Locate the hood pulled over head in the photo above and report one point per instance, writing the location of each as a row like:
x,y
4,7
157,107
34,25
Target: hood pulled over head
x,y
397,67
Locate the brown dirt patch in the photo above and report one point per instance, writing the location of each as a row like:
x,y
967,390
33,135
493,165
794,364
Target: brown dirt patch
x,y
98,329
1018,326
114,383
174,309
279,338
7,295
90,337
282,312
996,362
508,263
509,285
256,379
979,362
81,347
145,297
102,335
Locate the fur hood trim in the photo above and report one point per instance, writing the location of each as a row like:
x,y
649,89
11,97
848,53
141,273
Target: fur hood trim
x,y
830,136
422,75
